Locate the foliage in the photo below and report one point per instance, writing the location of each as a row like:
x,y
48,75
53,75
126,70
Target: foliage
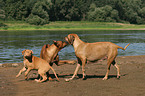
x,y
129,9
40,12
2,14
69,10
103,14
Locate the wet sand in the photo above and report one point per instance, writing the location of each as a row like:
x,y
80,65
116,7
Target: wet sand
x,y
131,83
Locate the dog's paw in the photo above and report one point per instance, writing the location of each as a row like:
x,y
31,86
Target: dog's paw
x,y
50,79
118,77
67,80
37,80
85,78
105,78
26,78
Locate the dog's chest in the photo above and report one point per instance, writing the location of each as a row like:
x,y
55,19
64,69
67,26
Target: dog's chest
x,y
28,64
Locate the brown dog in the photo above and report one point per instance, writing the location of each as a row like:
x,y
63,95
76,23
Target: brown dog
x,y
93,52
50,53
34,63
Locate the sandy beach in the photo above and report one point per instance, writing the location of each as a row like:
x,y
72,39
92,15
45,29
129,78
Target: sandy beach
x,y
131,83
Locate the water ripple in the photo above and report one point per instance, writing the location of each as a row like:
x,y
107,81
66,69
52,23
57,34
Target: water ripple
x,y
14,42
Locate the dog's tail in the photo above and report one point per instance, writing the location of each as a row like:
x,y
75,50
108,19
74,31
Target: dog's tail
x,y
54,73
124,47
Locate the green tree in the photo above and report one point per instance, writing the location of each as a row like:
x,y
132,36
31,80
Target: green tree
x,y
15,9
39,13
141,17
102,14
128,10
83,8
142,12
65,10
2,14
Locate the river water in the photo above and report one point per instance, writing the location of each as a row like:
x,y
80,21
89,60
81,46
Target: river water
x,y
13,42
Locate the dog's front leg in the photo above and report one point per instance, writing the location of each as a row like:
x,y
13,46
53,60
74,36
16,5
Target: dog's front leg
x,y
20,72
83,69
76,71
26,73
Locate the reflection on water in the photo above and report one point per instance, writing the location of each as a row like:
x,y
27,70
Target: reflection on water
x,y
13,42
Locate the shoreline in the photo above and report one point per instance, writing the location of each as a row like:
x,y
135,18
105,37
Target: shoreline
x,y
68,25
133,59
75,29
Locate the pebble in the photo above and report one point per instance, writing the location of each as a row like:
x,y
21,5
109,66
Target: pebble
x,y
15,65
9,65
1,65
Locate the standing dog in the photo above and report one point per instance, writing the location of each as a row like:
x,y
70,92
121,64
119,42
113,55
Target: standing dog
x,y
93,52
34,63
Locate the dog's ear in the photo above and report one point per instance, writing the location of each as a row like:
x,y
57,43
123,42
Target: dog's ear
x,y
23,52
55,43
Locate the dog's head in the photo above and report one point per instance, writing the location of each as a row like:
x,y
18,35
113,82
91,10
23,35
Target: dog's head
x,y
70,38
27,53
60,44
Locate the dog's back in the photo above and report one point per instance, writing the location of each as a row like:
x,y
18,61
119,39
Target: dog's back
x,y
43,50
40,63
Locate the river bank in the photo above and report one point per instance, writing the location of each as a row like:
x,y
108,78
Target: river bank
x,y
70,25
131,82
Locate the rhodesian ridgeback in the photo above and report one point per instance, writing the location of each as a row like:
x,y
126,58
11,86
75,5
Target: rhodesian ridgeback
x,y
50,53
34,63
93,52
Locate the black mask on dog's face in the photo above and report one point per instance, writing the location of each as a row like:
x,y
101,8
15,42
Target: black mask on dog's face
x,y
60,44
27,54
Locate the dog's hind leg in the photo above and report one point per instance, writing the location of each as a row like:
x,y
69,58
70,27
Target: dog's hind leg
x,y
49,77
109,62
43,75
118,70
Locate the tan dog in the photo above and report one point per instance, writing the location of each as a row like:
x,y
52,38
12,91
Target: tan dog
x,y
34,63
50,53
93,52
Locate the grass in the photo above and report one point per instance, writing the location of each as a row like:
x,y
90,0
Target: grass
x,y
71,25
